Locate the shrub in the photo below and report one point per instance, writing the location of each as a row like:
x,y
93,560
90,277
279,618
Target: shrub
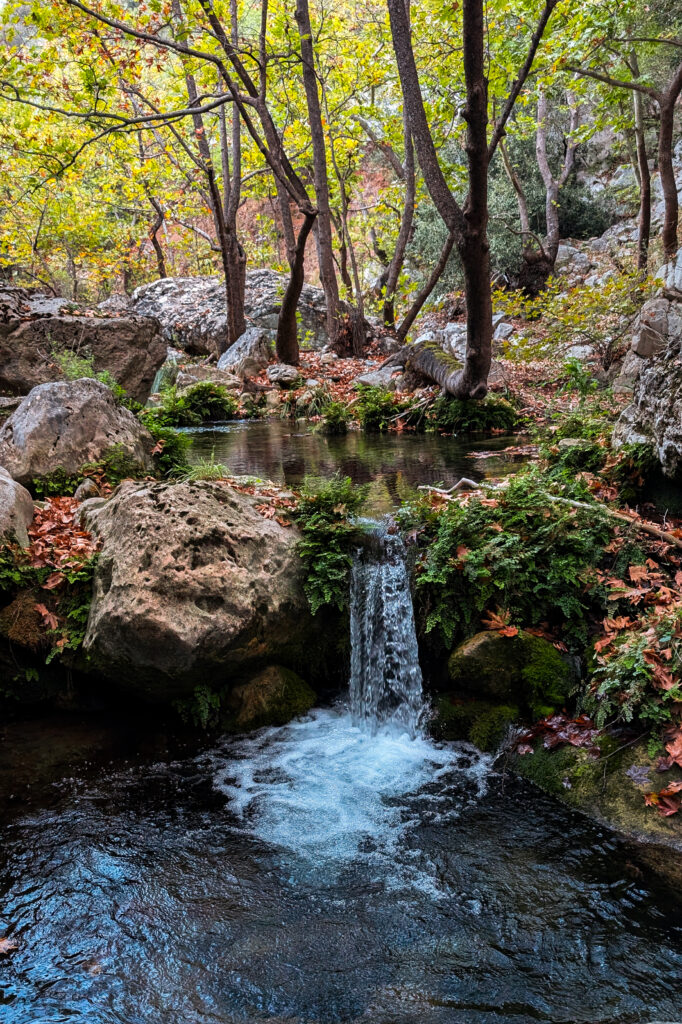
x,y
170,451
375,407
456,416
516,549
335,419
208,469
193,406
323,514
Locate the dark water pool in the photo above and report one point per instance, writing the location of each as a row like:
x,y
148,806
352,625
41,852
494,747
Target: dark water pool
x,y
393,464
315,873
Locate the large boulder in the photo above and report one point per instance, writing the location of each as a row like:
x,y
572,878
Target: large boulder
x,y
16,509
194,586
192,313
274,696
66,424
249,355
35,329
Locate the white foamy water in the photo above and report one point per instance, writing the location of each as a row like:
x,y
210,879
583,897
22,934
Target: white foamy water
x,y
330,791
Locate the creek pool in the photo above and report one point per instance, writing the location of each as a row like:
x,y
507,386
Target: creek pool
x,y
313,874
392,464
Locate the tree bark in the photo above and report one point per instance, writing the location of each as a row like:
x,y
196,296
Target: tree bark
x,y
154,237
552,184
323,222
424,293
665,165
286,345
644,219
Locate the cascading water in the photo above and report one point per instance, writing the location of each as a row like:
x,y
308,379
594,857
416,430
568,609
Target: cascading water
x,y
385,679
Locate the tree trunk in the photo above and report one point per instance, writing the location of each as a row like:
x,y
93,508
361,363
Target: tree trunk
x,y
287,329
323,222
667,172
423,295
644,219
154,237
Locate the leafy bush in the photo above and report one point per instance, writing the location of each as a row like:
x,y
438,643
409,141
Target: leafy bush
x,y
335,419
76,365
637,680
375,407
578,377
455,416
516,549
323,514
170,451
193,406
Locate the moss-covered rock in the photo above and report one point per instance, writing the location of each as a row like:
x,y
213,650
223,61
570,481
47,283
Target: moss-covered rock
x,y
273,697
611,789
522,670
480,722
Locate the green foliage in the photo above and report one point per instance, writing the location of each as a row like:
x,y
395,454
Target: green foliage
x,y
323,514
455,416
578,377
171,456
59,482
517,550
306,402
375,407
335,419
115,465
625,686
202,709
200,403
79,364
208,469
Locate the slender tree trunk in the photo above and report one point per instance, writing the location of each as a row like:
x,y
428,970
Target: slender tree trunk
x,y
287,328
154,237
422,296
324,221
667,172
644,219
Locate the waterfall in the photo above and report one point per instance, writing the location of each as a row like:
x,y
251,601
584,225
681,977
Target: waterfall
x,y
386,681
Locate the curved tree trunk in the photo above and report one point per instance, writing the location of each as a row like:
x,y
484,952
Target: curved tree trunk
x,y
644,219
287,329
667,172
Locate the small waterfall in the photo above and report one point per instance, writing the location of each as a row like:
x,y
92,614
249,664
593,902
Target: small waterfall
x,y
386,681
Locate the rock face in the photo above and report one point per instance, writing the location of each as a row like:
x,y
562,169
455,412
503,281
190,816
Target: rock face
x,y
193,586
190,374
283,375
16,509
249,354
524,670
191,310
34,327
67,424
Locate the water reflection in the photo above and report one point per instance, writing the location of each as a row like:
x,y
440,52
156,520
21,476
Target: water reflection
x,y
393,464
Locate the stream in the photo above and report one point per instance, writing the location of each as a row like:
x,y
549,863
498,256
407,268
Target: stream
x,y
342,868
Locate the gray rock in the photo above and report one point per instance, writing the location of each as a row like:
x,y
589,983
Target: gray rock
x,y
655,414
580,352
503,331
192,313
34,329
380,378
658,320
190,374
669,276
192,584
249,355
282,374
67,424
16,509
570,260
86,490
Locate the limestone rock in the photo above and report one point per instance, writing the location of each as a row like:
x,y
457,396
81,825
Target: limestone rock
x,y
382,377
273,697
249,355
16,509
523,670
192,314
34,327
67,424
283,375
655,413
194,586
190,374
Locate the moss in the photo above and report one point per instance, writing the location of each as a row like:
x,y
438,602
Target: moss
x,y
524,670
273,697
480,722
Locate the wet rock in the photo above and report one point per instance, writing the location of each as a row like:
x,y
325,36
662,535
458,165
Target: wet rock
x,y
16,509
523,670
33,328
192,314
249,355
67,424
193,586
283,375
273,697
